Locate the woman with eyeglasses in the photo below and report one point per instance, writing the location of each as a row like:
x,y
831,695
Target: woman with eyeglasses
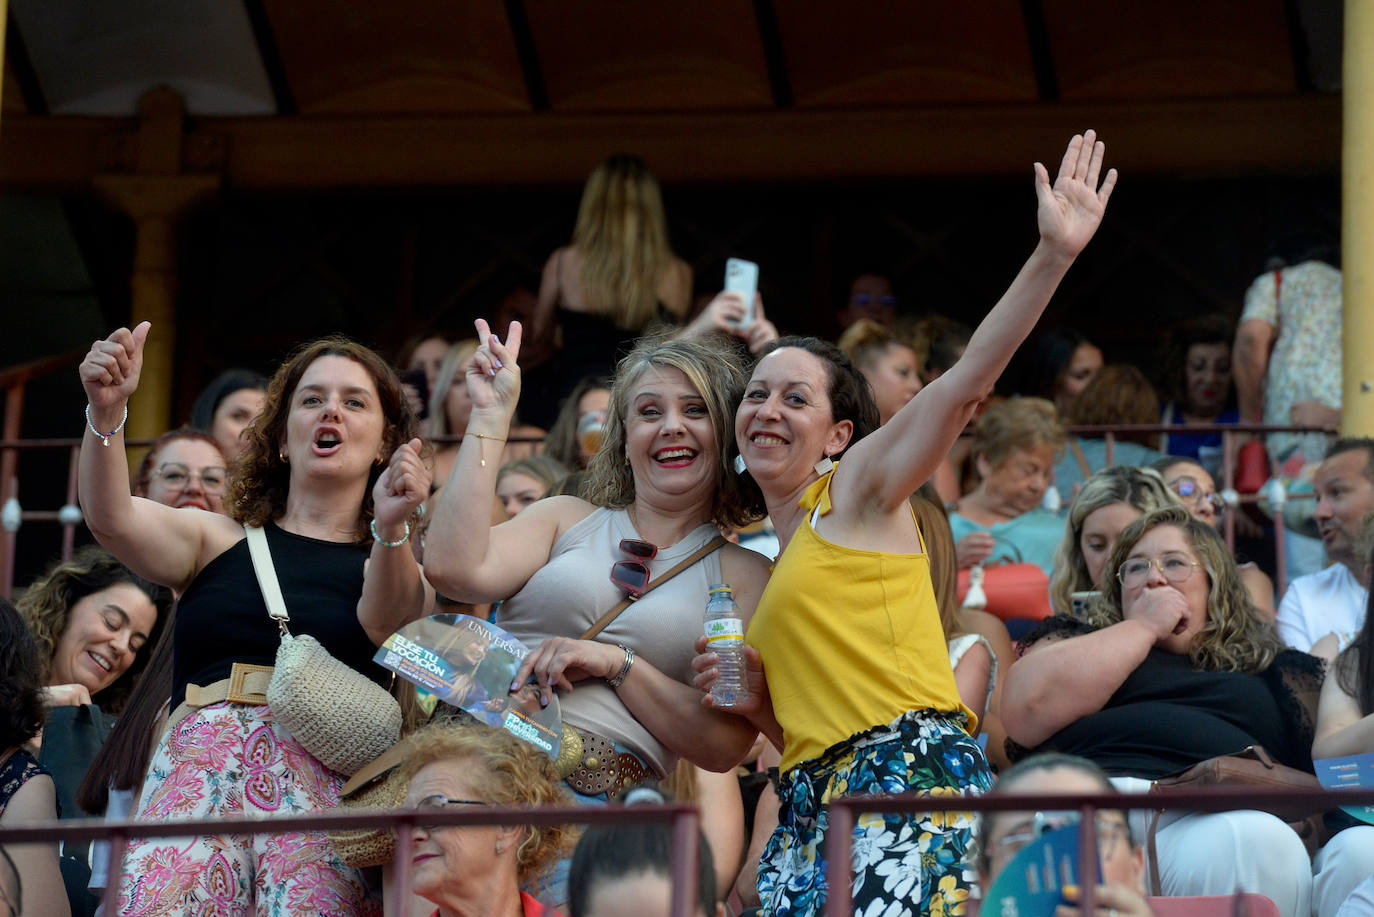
x,y
1004,834
660,490
1173,666
184,468
1196,490
480,870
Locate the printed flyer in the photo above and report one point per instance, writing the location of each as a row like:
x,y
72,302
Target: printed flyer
x,y
470,663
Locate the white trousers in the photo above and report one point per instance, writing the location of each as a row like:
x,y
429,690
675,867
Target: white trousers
x,y
1220,853
1339,867
1360,903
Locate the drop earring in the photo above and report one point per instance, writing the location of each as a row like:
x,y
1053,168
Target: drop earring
x,y
740,467
824,466
281,454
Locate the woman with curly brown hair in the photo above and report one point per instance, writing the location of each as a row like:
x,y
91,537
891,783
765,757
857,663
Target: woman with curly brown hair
x,y
332,473
1173,666
481,869
94,620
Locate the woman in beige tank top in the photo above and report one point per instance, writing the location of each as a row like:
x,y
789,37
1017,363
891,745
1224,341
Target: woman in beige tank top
x,y
663,474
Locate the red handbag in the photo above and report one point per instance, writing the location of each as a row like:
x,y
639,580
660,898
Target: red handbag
x,y
1017,590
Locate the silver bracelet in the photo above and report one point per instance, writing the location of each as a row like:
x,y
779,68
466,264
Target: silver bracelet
x,y
372,527
106,436
624,668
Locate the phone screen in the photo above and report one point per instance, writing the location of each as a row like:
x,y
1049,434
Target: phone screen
x,y
742,277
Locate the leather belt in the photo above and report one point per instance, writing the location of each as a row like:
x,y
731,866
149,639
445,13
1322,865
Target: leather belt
x,y
591,765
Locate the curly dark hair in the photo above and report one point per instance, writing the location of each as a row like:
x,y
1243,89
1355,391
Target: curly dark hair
x,y
851,397
1210,328
261,478
21,680
48,600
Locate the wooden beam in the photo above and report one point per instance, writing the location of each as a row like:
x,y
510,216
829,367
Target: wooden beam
x,y
1285,135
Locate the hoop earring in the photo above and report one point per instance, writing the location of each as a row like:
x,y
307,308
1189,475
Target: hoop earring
x,y
824,466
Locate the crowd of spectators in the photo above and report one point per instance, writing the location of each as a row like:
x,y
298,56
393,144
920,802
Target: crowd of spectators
x,y
869,502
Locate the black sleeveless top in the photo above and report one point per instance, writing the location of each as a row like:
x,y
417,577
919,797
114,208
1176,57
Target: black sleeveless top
x,y
222,617
1168,715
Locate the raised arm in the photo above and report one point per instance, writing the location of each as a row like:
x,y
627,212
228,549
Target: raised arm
x,y
886,467
163,544
465,557
394,588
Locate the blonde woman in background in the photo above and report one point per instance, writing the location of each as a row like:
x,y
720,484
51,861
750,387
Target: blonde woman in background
x,y
1110,500
449,406
887,362
617,276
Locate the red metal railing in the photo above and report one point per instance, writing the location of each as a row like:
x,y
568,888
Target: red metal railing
x,y
685,824
839,835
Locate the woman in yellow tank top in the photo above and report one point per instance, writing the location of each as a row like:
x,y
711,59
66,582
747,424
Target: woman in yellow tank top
x,y
859,694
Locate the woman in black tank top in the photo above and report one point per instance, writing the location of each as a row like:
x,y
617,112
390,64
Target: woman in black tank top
x,y
333,472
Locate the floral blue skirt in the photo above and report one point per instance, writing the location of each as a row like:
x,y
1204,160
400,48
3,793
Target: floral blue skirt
x,y
904,863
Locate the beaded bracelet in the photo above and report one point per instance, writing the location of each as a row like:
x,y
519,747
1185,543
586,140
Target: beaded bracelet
x,y
372,527
624,668
106,436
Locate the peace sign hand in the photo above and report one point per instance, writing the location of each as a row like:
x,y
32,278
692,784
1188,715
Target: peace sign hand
x,y
111,369
493,375
1070,211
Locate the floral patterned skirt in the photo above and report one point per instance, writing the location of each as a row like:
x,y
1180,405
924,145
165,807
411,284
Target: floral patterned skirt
x,y
231,760
904,863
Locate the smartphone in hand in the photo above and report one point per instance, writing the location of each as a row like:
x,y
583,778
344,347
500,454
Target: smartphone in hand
x,y
742,277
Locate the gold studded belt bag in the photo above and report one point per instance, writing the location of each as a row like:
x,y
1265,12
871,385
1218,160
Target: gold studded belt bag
x,y
592,766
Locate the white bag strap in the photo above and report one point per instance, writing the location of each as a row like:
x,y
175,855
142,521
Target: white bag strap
x,y
267,575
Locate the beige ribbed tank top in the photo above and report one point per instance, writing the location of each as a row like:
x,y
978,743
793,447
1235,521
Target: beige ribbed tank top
x,y
574,589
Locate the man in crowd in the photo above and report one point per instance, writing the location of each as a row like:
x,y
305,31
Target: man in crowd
x,y
1333,600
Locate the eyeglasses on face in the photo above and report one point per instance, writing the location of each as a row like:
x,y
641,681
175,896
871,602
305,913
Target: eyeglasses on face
x,y
633,575
1190,489
438,802
1174,567
1110,829
177,477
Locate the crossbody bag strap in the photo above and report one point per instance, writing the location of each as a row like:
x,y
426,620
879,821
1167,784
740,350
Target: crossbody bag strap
x,y
1083,465
713,545
267,575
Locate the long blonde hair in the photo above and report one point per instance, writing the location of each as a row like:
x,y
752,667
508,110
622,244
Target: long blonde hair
x,y
622,235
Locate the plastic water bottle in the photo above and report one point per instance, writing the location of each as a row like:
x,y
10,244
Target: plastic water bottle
x,y
725,638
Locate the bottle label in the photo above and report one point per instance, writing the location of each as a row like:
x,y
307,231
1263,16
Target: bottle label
x,y
719,629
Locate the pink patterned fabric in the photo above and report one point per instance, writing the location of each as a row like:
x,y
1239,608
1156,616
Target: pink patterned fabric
x,y
231,760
